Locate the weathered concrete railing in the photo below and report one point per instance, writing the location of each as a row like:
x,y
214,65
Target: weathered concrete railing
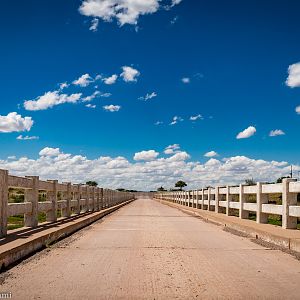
x,y
222,198
76,199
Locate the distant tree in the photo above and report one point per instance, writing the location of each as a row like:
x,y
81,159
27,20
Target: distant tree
x,y
91,183
161,189
279,180
180,184
250,181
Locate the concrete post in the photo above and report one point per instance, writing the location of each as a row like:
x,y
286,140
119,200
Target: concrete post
x,y
87,199
260,200
197,194
94,199
67,211
3,202
208,198
78,198
287,200
101,199
243,214
202,198
32,196
217,199
52,197
228,200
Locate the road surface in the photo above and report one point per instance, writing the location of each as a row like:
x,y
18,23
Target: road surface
x,y
147,250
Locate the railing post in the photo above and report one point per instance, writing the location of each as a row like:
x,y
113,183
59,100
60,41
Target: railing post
x,y
202,198
67,212
87,200
32,196
287,200
208,198
243,214
228,199
3,202
193,200
217,199
260,200
101,199
78,198
52,197
94,199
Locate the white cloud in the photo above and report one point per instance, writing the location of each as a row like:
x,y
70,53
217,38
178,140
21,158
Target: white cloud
x,y
148,96
293,79
195,118
175,120
298,110
124,11
211,154
186,80
94,25
50,99
110,80
146,155
248,132
83,80
112,108
174,20
15,123
158,123
129,74
91,105
118,172
48,151
63,85
171,149
27,137
91,97
276,132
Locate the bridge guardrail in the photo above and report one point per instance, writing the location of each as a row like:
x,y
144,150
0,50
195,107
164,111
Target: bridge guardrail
x,y
221,198
76,199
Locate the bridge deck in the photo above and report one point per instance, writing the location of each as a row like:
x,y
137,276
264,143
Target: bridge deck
x,y
147,250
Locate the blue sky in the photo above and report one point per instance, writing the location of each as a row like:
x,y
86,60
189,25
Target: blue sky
x,y
235,58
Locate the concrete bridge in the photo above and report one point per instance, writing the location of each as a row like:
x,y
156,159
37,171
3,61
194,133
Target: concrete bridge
x,y
164,247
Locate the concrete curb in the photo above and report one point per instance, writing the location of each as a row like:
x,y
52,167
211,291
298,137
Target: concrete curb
x,y
282,241
14,251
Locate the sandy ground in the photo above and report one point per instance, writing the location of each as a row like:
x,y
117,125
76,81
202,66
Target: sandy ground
x,y
147,250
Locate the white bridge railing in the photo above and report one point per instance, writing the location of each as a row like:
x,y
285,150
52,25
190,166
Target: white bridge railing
x,y
76,199
237,197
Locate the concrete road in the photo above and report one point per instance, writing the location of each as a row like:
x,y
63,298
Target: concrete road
x,y
147,250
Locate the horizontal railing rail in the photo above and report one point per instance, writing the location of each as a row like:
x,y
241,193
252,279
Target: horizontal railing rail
x,y
75,199
245,199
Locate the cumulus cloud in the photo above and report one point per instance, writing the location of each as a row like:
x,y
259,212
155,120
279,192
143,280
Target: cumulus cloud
x,y
171,149
27,137
129,74
83,80
276,132
148,96
195,118
175,120
110,80
124,11
48,151
112,108
146,155
211,154
91,105
186,80
118,172
298,110
248,132
50,99
94,25
14,122
293,79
